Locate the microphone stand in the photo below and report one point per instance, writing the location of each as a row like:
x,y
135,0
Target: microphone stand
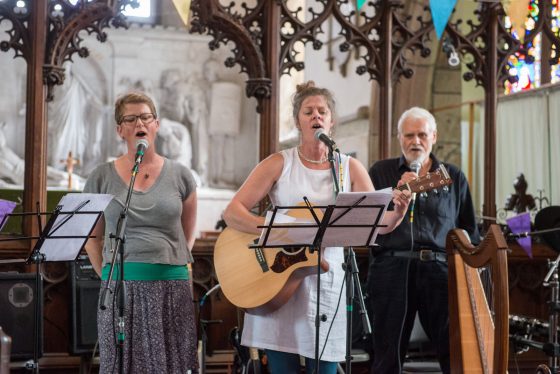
x,y
38,258
120,286
333,170
352,280
317,246
352,284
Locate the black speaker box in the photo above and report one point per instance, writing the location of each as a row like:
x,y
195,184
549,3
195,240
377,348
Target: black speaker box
x,y
18,298
85,286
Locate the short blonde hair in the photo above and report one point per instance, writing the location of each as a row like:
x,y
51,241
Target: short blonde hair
x,y
132,98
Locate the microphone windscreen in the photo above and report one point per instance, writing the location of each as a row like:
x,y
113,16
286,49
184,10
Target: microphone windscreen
x,y
142,142
415,166
318,134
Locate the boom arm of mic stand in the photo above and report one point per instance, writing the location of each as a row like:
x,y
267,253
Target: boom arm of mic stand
x,y
121,227
335,179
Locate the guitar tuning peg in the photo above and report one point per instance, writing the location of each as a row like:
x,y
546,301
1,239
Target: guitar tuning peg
x,y
424,195
436,191
445,189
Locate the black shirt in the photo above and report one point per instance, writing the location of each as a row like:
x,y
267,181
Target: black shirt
x,y
435,213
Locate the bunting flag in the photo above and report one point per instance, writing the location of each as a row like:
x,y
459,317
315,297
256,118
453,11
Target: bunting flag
x,y
517,11
6,207
361,3
183,8
441,11
519,224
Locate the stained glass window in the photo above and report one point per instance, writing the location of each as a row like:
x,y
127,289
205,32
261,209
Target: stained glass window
x,y
555,69
525,65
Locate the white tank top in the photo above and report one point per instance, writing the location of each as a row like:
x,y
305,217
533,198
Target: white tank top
x,y
291,328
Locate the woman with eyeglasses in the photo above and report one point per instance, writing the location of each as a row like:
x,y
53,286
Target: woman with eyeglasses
x,y
160,330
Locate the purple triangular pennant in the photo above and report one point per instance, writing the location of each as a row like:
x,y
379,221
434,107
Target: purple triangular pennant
x,y
6,207
519,224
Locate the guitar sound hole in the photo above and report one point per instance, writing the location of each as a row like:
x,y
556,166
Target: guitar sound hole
x,y
284,260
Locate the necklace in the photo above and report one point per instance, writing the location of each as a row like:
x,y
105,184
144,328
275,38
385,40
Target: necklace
x,y
321,161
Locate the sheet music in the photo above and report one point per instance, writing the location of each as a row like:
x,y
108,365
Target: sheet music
x,y
356,236
280,236
73,225
304,231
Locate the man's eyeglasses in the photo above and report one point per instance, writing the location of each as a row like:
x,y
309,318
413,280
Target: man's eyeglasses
x,y
131,119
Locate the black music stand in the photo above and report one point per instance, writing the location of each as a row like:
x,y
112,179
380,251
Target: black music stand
x,y
349,222
62,239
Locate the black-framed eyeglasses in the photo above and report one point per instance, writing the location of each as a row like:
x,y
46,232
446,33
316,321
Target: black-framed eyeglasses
x,y
131,119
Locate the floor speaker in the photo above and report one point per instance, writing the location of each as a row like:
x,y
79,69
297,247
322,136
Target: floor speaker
x,y
18,298
85,291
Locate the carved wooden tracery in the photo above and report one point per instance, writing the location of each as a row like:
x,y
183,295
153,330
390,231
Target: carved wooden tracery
x,y
385,37
245,30
64,41
46,35
64,23
488,45
254,33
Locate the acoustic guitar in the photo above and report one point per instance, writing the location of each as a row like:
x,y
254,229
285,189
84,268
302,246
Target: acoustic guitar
x,y
262,280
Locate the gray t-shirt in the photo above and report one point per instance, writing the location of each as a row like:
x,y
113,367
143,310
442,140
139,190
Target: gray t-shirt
x,y
154,233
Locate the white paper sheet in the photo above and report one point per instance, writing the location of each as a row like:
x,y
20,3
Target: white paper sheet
x,y
360,215
304,230
75,225
281,236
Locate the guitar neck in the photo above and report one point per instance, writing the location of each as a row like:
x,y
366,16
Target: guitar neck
x,y
428,182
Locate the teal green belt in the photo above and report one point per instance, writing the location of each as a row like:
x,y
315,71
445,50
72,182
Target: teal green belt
x,y
148,272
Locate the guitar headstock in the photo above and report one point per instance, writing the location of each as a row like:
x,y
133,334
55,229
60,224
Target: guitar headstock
x,y
430,181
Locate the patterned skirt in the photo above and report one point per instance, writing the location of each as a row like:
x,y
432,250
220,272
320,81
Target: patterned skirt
x,y
159,325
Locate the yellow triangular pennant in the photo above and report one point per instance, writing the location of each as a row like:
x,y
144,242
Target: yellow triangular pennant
x,y
183,8
517,10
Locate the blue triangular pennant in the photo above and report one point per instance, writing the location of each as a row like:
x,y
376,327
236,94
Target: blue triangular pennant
x,y
441,11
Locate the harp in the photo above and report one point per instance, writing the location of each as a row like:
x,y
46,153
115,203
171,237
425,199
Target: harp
x,y
478,323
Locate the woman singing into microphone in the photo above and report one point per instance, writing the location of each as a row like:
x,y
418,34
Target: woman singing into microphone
x,y
160,332
286,177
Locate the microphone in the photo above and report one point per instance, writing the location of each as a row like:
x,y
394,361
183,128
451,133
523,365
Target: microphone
x,y
415,167
141,146
320,135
